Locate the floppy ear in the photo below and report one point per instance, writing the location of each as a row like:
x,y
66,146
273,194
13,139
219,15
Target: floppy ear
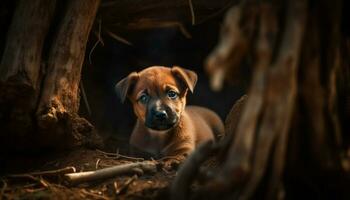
x,y
186,76
124,86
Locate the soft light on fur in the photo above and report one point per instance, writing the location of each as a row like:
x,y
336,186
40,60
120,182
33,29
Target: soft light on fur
x,y
189,125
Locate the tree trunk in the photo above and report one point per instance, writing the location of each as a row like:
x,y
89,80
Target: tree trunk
x,y
290,136
59,102
39,94
21,62
20,68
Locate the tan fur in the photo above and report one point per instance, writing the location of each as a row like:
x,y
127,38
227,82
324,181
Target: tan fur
x,y
195,125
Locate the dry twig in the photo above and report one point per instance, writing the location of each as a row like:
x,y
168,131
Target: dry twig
x,y
3,188
117,155
82,89
97,162
192,12
99,40
125,185
84,191
118,38
146,166
55,172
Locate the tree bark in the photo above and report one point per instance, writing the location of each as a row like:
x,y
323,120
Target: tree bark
x,y
59,102
20,70
22,57
289,138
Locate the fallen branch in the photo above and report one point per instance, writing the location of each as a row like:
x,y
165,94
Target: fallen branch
x,y
145,166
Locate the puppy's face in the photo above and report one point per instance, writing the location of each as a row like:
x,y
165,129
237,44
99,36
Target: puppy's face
x,y
158,94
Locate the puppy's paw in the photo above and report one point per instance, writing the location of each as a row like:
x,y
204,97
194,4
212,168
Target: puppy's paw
x,y
172,163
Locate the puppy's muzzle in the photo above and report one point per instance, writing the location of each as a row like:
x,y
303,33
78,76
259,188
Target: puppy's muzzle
x,y
160,115
160,119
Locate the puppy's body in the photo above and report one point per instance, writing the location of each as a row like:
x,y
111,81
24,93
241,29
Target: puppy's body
x,y
196,125
165,126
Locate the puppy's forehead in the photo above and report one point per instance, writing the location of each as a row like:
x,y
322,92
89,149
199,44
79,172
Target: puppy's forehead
x,y
155,79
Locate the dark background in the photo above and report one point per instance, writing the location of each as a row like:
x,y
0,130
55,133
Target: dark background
x,y
167,47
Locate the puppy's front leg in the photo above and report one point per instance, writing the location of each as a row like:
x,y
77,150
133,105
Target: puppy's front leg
x,y
176,153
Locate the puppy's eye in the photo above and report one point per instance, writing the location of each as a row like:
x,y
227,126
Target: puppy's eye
x,y
172,94
144,98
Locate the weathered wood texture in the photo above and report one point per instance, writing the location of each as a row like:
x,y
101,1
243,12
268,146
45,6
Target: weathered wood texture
x,y
20,70
21,61
39,94
290,136
59,102
66,58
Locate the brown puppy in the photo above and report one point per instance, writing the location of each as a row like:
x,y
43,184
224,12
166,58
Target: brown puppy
x,y
165,125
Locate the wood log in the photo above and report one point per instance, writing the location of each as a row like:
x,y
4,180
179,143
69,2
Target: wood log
x,y
236,37
314,103
59,102
241,149
22,58
20,71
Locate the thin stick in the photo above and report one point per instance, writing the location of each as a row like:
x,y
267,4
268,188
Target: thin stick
x,y
126,185
28,185
93,195
183,30
118,155
97,162
75,178
82,89
192,12
128,157
3,188
29,190
118,38
45,173
29,176
99,40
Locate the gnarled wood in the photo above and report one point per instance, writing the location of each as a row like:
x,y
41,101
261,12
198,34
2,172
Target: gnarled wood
x,y
291,111
20,71
235,42
21,61
59,100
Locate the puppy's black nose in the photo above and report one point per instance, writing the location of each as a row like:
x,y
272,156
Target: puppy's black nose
x,y
160,115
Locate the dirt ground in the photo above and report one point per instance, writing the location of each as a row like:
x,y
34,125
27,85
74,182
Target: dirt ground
x,y
129,186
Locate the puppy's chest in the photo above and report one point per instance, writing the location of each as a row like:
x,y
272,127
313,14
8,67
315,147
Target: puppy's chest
x,y
154,142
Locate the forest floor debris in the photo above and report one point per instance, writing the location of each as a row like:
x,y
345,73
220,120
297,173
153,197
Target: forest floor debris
x,y
44,178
